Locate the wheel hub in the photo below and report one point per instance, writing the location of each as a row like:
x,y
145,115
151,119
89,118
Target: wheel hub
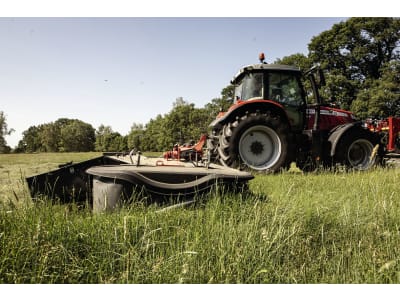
x,y
256,148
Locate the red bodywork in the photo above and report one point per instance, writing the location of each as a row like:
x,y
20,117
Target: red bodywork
x,y
329,117
389,129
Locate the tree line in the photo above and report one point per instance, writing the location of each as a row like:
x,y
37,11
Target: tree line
x,y
360,58
182,124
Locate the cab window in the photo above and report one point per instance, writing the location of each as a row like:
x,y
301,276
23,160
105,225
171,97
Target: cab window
x,y
285,89
251,87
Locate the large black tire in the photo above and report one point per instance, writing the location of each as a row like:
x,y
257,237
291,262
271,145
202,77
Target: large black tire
x,y
257,141
358,149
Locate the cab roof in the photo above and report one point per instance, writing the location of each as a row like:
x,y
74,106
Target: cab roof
x,y
259,67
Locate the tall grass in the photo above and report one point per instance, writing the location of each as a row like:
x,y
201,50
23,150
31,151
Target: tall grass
x,y
289,228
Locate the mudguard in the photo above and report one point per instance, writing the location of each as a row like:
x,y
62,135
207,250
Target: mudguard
x,y
241,107
336,133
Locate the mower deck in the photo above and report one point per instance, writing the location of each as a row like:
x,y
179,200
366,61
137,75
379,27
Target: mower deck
x,y
110,180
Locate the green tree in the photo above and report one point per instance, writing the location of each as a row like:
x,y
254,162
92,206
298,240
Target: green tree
x,y
339,89
49,137
62,135
77,136
121,143
184,123
30,141
4,131
298,60
381,97
178,123
135,135
354,53
152,139
103,134
106,140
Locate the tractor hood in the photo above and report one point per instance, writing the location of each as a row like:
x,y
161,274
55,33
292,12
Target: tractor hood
x,y
330,117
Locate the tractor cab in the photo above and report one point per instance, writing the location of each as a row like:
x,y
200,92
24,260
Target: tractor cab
x,y
270,82
278,84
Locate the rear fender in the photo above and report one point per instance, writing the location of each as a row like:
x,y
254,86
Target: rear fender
x,y
336,134
243,107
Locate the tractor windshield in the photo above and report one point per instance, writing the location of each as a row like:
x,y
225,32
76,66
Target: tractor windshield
x,y
250,87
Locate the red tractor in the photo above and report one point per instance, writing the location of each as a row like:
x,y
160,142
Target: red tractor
x,y
274,122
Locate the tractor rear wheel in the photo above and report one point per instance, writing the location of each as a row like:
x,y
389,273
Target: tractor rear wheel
x,y
357,150
256,141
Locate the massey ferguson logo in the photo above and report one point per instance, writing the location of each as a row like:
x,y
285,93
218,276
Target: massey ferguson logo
x,y
311,111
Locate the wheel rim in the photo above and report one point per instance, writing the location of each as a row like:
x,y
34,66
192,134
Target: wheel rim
x,y
359,154
260,147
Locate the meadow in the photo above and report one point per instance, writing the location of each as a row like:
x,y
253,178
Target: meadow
x,y
325,227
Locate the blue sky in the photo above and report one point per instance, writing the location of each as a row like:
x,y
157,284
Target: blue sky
x,y
117,71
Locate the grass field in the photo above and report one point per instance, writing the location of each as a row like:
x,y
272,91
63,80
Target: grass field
x,y
290,228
